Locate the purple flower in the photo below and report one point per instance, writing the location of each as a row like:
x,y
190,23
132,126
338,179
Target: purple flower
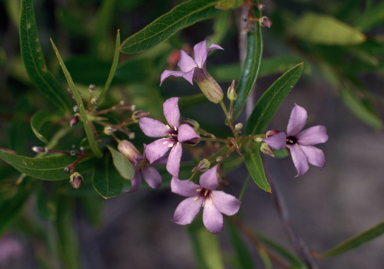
x,y
142,166
196,69
174,134
301,142
215,202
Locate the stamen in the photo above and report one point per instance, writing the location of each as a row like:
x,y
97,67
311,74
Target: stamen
x,y
206,192
198,190
168,126
196,198
165,142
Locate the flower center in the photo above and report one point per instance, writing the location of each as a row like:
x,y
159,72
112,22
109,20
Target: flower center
x,y
173,133
142,164
291,140
204,193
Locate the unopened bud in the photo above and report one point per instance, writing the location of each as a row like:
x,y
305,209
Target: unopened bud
x,y
232,91
238,127
76,180
202,166
94,100
194,124
91,88
267,150
108,130
74,120
209,86
131,136
76,108
40,149
129,150
137,115
219,159
272,132
265,22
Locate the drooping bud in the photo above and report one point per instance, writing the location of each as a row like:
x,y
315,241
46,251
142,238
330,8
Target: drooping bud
x,y
40,149
91,88
74,120
232,91
265,22
129,150
272,132
194,124
202,166
76,180
108,130
208,85
238,127
137,115
267,150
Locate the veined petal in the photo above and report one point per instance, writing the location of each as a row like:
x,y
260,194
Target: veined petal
x,y
184,187
167,73
277,141
136,181
200,51
300,160
157,149
297,120
173,163
186,63
315,156
312,136
187,210
152,176
172,112
186,132
209,179
188,76
225,203
212,218
153,128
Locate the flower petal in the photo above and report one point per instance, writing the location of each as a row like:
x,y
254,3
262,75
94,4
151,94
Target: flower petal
x,y
184,187
315,156
189,75
226,203
277,141
312,136
209,179
186,63
212,218
200,51
167,73
172,112
297,120
187,210
186,132
157,149
300,160
136,181
153,128
173,163
152,176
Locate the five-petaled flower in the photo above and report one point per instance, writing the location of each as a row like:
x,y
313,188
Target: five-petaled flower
x,y
300,142
174,134
195,69
215,202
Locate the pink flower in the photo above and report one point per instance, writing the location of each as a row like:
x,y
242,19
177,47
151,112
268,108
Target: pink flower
x,y
215,202
174,134
300,142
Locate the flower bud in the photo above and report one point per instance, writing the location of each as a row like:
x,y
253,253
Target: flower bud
x,y
219,159
75,108
238,127
272,132
74,120
91,88
108,130
202,166
76,180
208,85
267,150
94,100
40,149
265,22
129,150
232,91
137,115
194,124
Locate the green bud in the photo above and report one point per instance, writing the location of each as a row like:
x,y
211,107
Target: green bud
x,y
267,150
202,166
129,150
232,91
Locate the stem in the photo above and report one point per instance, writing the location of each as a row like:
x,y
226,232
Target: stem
x,y
114,108
229,119
222,140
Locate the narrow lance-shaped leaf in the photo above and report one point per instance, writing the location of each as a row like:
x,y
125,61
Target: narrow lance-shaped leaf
x,y
79,101
270,101
34,61
122,164
162,28
255,167
251,66
37,121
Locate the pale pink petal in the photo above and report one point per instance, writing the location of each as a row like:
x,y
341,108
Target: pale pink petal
x,y
300,160
212,218
209,179
172,112
186,132
184,187
157,149
312,136
189,75
211,47
315,156
136,181
187,210
297,120
186,63
167,73
225,203
277,141
153,128
173,163
200,51
152,176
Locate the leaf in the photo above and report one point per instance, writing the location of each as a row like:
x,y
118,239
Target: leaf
x,y
134,70
220,28
106,180
45,207
355,241
37,121
255,167
251,66
47,168
122,164
326,30
371,18
270,101
34,61
79,101
162,28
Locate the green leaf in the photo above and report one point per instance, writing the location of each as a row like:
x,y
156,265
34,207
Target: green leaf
x,y
371,18
255,167
106,180
355,241
34,61
79,101
122,164
270,101
47,168
45,207
326,30
37,121
220,27
162,28
251,66
134,70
